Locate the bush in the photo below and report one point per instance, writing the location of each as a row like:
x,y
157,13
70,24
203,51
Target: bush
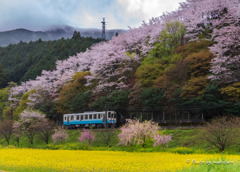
x,y
60,136
88,136
162,140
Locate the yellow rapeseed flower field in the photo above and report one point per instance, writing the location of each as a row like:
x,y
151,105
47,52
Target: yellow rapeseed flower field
x,y
77,160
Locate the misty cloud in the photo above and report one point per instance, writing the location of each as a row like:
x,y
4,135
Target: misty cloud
x,y
38,14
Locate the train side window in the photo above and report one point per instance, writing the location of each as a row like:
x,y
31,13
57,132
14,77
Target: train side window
x,y
90,116
86,116
81,117
99,116
72,117
78,117
94,116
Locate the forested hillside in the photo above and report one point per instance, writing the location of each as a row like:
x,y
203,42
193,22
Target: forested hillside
x,y
24,61
184,61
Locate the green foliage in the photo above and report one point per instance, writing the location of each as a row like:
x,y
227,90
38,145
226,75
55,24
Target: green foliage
x,y
22,104
195,87
117,101
80,103
232,92
99,104
152,98
199,63
25,61
182,150
154,64
3,100
69,92
2,76
76,35
171,37
49,108
148,73
192,47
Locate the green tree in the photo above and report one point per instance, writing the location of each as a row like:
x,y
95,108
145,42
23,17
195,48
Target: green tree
x,y
80,103
3,100
22,104
76,35
152,98
69,92
2,76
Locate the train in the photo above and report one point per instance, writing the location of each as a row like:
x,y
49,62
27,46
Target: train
x,y
88,119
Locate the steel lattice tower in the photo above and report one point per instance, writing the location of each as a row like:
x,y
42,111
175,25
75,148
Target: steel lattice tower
x,y
103,29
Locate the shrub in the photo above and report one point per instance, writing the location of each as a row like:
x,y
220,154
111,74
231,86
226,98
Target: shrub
x,y
60,136
88,136
162,140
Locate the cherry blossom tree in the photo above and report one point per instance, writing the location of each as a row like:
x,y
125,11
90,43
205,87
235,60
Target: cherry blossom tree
x,y
162,140
135,132
88,136
28,121
60,135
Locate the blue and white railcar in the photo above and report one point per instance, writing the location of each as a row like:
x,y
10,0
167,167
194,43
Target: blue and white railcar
x,y
86,119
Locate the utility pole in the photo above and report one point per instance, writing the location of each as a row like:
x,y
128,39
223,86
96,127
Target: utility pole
x,y
106,111
103,29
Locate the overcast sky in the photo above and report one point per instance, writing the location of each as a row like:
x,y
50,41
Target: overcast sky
x,y
119,14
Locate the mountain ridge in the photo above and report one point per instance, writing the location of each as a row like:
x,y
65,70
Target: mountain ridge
x,y
54,33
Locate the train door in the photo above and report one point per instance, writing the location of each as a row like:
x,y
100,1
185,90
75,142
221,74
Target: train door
x,y
67,119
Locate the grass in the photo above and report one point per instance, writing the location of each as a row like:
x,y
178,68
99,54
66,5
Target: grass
x,y
184,141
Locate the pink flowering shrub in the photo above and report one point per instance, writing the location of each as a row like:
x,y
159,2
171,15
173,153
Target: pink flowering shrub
x,y
60,136
162,140
88,136
136,132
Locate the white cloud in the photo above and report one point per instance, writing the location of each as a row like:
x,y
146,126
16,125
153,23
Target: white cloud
x,y
146,9
34,14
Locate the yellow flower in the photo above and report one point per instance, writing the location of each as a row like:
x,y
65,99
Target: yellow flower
x,y
77,160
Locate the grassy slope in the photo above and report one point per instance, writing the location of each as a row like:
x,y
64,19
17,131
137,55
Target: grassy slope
x,y
184,141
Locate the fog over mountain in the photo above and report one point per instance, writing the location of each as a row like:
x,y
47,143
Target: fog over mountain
x,y
53,33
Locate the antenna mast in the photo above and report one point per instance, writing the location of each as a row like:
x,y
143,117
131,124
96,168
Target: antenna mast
x,y
103,29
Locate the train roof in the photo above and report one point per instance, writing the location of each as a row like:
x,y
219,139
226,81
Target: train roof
x,y
88,112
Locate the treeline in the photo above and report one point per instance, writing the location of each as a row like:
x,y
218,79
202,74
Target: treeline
x,y
173,77
24,61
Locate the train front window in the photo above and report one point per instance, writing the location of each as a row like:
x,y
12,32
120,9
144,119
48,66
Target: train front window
x,y
65,118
